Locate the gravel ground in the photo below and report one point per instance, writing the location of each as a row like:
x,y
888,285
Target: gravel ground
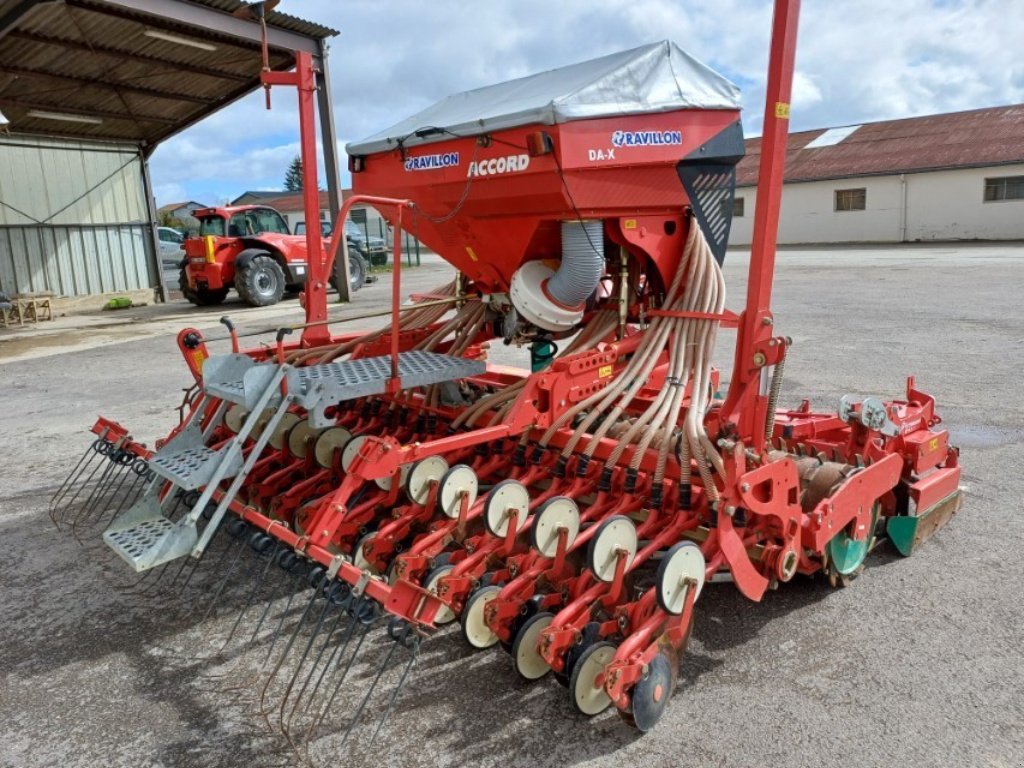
x,y
917,664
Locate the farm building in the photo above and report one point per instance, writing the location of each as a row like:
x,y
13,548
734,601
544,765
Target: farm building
x,y
957,176
87,90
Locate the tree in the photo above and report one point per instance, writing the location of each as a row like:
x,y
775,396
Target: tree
x,y
293,176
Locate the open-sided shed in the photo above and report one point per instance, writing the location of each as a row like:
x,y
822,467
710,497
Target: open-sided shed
x,y
88,89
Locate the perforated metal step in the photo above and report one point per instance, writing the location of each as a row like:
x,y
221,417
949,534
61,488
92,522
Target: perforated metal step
x,y
144,538
191,468
350,379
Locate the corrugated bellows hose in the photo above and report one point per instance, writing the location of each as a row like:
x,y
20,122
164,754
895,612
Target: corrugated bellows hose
x,y
582,262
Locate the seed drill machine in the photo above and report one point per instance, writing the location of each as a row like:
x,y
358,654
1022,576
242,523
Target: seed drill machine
x,y
573,514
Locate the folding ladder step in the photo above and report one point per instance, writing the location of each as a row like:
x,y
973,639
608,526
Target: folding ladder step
x,y
193,467
144,538
237,378
318,386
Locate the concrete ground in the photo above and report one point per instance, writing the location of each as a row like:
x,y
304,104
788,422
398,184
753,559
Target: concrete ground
x,y
916,664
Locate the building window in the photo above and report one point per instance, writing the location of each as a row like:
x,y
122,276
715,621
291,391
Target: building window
x,y
851,199
737,206
1004,188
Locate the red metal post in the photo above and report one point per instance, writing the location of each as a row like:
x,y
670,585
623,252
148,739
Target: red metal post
x,y
756,322
396,293
315,299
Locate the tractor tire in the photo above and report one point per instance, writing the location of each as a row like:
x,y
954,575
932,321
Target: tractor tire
x,y
357,270
261,282
201,297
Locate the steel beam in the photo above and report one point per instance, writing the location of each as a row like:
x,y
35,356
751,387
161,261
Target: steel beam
x,y
117,53
154,238
330,143
155,93
202,17
59,107
10,19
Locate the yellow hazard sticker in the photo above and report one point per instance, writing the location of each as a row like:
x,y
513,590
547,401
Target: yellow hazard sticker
x,y
604,371
933,444
782,110
629,224
198,358
471,252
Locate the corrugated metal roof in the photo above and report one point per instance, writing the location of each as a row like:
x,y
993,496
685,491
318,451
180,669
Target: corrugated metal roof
x,y
977,138
92,60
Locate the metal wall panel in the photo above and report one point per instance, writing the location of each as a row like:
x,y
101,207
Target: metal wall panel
x,y
72,218
75,260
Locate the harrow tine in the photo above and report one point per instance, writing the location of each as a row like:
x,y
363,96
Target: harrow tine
x,y
328,603
257,583
92,452
320,577
341,599
143,475
103,451
411,640
286,560
239,547
105,494
366,625
369,692
98,492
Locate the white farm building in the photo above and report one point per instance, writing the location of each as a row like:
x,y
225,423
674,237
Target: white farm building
x,y
957,176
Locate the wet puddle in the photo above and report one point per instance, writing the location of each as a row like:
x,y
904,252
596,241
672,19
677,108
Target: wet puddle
x,y
985,435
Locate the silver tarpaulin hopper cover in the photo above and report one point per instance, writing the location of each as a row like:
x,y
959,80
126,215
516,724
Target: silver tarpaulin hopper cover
x,y
659,77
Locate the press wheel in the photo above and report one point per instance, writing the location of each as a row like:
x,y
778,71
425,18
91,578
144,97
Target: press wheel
x,y
235,418
614,534
458,480
589,698
525,657
553,515
300,437
358,558
504,497
285,423
384,483
421,475
348,454
651,693
474,625
330,440
261,423
681,563
445,615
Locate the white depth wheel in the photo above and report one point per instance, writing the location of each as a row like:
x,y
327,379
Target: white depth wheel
x,y
288,420
615,534
358,558
682,562
458,480
474,626
384,483
330,440
445,615
261,423
421,475
348,455
588,697
504,497
555,514
235,418
526,657
300,437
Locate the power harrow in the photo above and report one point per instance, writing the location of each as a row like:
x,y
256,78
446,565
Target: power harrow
x,y
572,514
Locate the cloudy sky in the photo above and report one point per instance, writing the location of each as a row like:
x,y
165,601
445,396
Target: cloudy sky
x,y
856,62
